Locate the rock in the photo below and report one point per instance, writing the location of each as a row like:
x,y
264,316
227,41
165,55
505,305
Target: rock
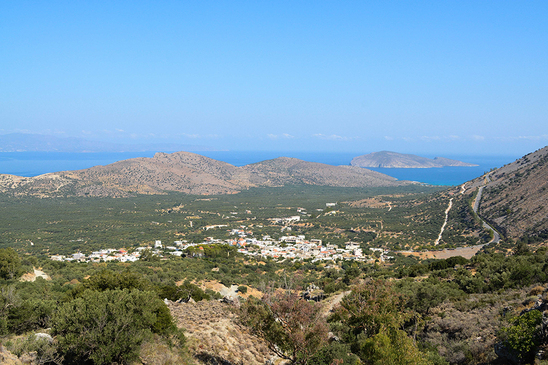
x,y
313,293
44,336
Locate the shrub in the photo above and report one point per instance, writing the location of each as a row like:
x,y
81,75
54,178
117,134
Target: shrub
x,y
293,328
40,348
9,263
521,336
539,289
109,326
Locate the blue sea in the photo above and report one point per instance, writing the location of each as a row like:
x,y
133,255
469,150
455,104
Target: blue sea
x,y
37,163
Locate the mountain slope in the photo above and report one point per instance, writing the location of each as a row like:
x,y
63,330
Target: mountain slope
x,y
387,159
291,171
515,198
189,173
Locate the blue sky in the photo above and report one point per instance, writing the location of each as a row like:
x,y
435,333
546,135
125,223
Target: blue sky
x,y
436,77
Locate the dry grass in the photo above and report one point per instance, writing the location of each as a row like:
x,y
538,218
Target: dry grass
x,y
213,332
157,352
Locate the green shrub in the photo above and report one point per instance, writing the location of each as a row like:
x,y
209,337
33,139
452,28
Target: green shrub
x,y
9,263
521,336
109,326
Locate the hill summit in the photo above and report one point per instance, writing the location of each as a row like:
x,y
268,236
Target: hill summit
x,y
388,159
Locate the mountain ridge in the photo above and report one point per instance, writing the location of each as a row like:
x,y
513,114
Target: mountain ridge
x,y
189,173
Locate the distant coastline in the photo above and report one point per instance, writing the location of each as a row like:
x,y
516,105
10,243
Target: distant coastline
x,y
36,163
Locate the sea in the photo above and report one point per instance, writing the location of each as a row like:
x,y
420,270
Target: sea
x,y
36,163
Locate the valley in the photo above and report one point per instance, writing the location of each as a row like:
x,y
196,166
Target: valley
x,y
218,261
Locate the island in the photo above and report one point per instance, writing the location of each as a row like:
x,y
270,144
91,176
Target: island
x,y
388,159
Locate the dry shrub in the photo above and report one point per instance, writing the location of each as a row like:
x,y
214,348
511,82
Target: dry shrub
x,y
465,333
157,352
537,290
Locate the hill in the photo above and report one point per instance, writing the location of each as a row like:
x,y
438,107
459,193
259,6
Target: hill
x,y
189,173
387,159
515,196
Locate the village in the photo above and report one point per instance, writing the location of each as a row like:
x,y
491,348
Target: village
x,y
290,247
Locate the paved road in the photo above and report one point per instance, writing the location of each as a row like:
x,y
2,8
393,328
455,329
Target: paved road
x,y
478,199
496,235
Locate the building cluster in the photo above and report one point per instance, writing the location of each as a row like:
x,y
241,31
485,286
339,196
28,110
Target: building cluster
x,y
286,247
297,248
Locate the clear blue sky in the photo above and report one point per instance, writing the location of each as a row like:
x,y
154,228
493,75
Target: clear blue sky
x,y
436,77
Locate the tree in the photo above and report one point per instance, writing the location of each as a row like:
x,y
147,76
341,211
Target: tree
x,y
293,327
391,346
371,318
149,256
109,326
9,263
522,336
109,280
9,299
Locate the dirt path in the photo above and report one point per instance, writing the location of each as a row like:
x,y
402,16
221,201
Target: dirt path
x,y
333,301
445,222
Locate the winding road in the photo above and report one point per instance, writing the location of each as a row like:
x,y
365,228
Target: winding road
x,y
496,235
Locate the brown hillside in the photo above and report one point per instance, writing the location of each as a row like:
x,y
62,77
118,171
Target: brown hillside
x,y
291,171
516,198
191,174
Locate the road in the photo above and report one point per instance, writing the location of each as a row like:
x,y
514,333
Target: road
x,y
496,235
445,222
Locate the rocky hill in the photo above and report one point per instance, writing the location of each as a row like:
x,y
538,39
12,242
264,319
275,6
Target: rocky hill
x,y
387,159
515,197
189,173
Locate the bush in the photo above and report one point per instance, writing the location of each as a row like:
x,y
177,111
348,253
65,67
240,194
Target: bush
x,y
109,326
293,328
41,348
9,263
522,337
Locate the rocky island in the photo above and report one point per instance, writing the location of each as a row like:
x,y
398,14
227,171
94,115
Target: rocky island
x,y
387,159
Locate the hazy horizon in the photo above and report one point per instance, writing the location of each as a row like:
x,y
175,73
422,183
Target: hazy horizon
x,y
427,78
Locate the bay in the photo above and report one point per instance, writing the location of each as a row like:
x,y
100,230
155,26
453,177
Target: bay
x,y
36,163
